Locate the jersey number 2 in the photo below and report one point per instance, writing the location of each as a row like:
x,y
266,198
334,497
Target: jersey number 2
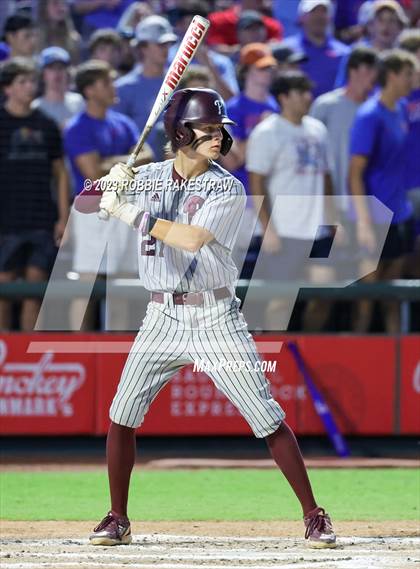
x,y
149,246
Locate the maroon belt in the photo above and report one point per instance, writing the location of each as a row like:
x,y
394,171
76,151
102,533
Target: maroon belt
x,y
190,298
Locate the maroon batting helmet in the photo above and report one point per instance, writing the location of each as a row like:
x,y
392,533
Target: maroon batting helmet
x,y
189,106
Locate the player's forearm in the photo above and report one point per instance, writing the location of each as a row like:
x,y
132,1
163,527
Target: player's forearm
x,y
179,235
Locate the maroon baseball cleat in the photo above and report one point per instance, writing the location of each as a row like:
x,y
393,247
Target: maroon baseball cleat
x,y
112,530
319,531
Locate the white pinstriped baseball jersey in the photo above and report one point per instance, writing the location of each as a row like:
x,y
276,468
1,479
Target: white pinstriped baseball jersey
x,y
215,200
172,335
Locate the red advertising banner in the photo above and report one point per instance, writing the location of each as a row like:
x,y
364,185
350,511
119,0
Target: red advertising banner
x,y
410,385
45,393
54,392
356,376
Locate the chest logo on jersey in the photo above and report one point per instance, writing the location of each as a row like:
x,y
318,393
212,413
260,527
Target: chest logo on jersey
x,y
155,197
192,205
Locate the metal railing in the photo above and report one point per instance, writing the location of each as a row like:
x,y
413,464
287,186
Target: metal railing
x,y
403,291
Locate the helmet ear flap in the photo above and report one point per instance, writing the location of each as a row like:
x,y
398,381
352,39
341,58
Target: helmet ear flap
x,y
182,137
227,142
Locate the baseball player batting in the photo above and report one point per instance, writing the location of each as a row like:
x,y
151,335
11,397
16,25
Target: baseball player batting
x,y
187,212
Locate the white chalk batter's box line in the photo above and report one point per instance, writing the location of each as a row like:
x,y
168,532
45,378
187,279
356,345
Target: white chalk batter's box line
x,y
413,542
344,557
345,564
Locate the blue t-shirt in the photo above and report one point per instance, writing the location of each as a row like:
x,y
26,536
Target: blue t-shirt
x,y
247,114
106,17
137,95
111,136
412,170
323,61
381,135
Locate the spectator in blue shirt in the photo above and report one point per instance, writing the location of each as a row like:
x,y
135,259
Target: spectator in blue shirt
x,y
323,51
377,168
137,91
94,141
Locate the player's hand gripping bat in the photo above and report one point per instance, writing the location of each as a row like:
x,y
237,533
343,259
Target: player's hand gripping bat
x,y
189,45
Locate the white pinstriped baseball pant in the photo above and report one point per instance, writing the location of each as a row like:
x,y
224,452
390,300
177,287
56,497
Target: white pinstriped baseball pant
x,y
173,336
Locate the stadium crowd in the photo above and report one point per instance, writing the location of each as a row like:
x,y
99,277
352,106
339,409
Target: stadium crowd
x,y
326,99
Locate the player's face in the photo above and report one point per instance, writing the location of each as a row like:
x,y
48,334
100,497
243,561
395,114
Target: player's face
x,y
23,89
210,138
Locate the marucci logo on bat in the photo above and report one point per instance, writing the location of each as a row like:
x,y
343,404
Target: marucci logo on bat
x,y
188,47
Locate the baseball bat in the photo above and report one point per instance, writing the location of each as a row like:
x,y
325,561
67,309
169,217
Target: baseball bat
x,y
320,405
186,51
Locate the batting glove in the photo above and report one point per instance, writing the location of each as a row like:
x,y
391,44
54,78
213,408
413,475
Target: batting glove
x,y
117,206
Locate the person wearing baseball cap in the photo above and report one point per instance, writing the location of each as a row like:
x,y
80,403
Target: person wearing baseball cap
x,y
138,90
383,21
324,53
250,28
57,101
288,59
253,104
387,20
